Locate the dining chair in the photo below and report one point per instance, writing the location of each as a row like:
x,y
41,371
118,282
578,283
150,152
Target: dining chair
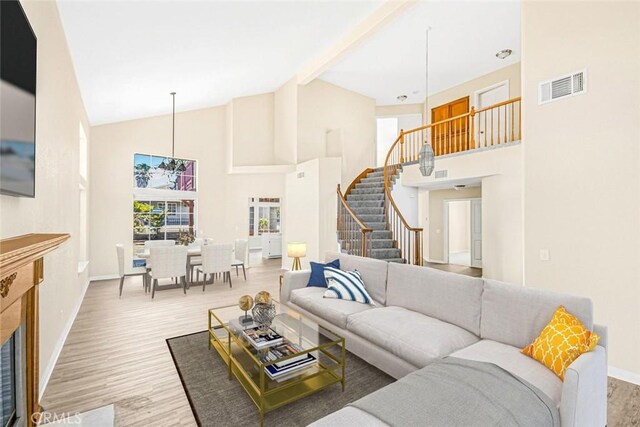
x,y
215,259
148,244
134,271
240,255
168,262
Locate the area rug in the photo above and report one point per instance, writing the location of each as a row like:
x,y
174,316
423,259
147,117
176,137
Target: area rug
x,y
218,401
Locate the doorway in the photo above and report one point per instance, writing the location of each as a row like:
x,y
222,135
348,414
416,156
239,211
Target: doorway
x,y
463,232
387,130
486,122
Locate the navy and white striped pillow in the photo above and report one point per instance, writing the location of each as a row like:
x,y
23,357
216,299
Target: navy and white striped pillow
x,y
346,285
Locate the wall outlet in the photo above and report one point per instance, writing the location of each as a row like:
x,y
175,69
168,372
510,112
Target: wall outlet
x,y
544,254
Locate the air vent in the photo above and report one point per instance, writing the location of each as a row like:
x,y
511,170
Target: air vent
x,y
561,87
441,174
300,175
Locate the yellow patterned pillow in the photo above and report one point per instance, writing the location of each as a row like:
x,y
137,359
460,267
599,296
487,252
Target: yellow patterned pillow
x,y
561,342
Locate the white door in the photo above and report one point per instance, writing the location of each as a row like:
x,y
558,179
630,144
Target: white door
x,y
476,233
490,125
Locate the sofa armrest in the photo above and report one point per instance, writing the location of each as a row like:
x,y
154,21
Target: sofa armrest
x,y
584,391
293,280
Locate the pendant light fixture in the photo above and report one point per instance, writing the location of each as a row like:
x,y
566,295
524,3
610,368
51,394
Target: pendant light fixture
x,y
427,157
173,165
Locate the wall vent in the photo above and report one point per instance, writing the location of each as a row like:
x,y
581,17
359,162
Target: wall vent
x,y
300,175
441,174
562,87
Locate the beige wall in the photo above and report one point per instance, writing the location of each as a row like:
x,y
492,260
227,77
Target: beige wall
x,y
286,123
310,209
200,135
459,226
55,209
500,171
511,73
582,163
253,130
323,107
436,218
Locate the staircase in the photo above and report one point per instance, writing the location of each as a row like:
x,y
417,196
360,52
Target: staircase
x,y
366,200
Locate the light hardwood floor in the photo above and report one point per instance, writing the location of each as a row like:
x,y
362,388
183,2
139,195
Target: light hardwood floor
x,y
116,350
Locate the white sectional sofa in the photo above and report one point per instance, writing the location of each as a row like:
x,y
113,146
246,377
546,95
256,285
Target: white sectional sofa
x,y
422,315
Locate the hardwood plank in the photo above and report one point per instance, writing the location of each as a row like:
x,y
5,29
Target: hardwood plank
x,y
116,350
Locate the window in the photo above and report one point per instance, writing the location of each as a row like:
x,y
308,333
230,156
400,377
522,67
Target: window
x,y
153,172
165,200
264,215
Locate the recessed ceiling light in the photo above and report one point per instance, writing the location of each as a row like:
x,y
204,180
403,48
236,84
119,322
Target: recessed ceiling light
x,y
504,53
401,98
415,92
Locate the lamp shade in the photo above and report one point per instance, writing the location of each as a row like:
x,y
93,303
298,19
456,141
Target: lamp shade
x,y
427,159
296,249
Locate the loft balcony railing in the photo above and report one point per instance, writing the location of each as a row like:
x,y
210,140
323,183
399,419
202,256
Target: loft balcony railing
x,y
488,127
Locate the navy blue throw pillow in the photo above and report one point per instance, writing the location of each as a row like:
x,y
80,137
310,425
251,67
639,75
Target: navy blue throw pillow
x,y
317,273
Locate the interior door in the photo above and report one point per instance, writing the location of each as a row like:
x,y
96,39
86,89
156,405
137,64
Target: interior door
x,y
488,123
452,136
476,233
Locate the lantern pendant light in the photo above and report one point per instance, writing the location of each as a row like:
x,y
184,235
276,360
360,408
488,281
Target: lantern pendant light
x,y
427,156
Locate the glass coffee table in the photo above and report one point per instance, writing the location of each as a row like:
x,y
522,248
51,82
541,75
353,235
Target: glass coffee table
x,y
250,365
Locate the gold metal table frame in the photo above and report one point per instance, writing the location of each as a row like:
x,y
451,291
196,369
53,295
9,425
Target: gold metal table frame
x,y
244,363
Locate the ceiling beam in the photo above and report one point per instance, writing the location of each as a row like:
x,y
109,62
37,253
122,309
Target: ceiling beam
x,y
384,14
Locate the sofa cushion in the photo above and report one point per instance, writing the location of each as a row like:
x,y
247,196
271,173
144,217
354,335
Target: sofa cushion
x,y
511,359
346,285
317,273
410,335
332,310
373,271
450,297
516,315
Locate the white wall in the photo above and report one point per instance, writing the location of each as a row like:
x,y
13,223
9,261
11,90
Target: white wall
x,y
310,209
406,199
323,107
253,130
500,171
459,226
286,123
511,73
582,163
200,135
55,209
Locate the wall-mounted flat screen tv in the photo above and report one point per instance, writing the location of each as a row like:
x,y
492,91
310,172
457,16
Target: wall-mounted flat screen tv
x,y
17,101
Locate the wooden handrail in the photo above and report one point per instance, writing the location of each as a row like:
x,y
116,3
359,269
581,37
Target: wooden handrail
x,y
344,203
496,124
387,188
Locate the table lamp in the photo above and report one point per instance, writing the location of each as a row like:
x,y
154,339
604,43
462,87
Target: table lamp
x,y
296,250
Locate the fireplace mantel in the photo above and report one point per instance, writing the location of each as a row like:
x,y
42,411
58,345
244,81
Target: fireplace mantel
x,y
21,272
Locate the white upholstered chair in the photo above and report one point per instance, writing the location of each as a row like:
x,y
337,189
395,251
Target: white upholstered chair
x,y
240,255
215,259
168,262
128,272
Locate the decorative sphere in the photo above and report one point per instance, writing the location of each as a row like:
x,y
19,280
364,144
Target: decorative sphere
x,y
263,297
245,302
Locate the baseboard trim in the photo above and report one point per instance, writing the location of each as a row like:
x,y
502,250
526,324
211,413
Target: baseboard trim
x,y
103,277
46,375
435,261
624,375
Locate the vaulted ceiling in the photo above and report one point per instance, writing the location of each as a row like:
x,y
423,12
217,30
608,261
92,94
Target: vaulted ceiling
x,y
130,54
463,41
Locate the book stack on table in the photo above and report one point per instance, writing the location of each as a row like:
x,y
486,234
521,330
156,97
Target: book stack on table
x,y
278,347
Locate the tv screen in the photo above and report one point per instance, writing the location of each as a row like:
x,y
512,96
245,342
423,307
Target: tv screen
x,y
17,101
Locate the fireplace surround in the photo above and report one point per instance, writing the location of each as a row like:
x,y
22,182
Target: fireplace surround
x,y
21,273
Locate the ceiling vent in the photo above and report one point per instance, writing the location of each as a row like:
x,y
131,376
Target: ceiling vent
x,y
441,174
562,87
